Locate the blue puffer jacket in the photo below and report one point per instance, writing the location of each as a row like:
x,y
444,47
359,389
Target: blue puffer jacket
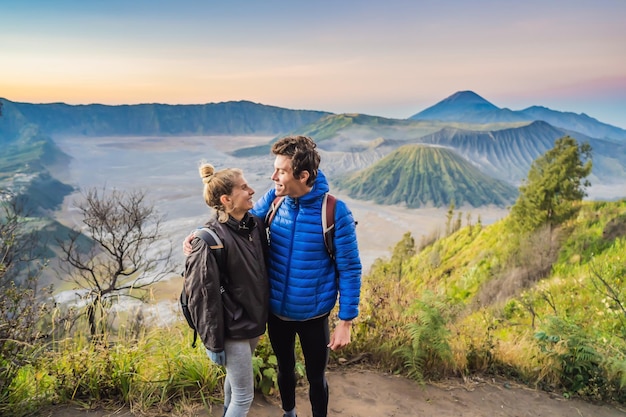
x,y
301,273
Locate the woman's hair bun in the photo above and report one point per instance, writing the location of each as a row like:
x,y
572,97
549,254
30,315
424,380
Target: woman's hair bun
x,y
206,172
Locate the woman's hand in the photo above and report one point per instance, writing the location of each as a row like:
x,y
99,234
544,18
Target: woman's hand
x,y
218,358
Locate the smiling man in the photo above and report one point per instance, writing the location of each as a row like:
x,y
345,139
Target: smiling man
x,y
305,280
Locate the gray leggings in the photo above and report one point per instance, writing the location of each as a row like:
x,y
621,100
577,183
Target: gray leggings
x,y
239,381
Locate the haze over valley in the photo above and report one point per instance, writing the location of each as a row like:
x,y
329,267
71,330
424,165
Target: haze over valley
x,y
167,168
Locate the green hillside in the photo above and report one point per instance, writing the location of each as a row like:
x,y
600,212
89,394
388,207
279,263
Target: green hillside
x,y
548,309
25,158
331,126
419,175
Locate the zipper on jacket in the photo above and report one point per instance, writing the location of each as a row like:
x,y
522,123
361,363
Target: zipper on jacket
x,y
291,241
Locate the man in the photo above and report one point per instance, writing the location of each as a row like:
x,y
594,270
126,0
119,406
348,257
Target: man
x,y
304,279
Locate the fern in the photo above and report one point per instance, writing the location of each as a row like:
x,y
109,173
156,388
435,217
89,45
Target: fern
x,y
429,352
569,348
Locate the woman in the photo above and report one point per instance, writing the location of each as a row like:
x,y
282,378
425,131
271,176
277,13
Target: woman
x,y
229,334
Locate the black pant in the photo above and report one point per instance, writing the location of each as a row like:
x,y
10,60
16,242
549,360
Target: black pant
x,y
314,338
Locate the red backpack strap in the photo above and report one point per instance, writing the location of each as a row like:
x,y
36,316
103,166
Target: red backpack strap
x,y
272,211
328,219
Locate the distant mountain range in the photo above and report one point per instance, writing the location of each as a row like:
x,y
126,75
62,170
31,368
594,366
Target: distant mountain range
x,y
500,144
508,153
229,118
469,107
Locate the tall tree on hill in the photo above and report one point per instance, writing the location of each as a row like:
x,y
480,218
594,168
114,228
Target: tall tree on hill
x,y
555,186
127,256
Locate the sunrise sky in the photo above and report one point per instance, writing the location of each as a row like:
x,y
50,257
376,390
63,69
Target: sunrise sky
x,y
389,58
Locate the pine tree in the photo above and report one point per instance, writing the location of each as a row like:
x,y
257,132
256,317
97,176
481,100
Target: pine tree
x,y
555,186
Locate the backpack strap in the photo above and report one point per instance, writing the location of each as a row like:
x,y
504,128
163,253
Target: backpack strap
x,y
210,237
217,249
328,220
270,216
272,211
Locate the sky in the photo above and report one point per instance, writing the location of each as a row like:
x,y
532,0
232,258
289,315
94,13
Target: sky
x,y
391,58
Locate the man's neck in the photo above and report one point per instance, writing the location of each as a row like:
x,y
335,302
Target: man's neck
x,y
303,193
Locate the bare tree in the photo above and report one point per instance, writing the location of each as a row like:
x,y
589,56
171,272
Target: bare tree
x,y
126,253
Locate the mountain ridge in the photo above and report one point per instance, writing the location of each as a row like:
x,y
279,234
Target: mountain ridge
x,y
467,106
226,118
504,151
463,107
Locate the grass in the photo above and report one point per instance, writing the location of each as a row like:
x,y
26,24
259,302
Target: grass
x,y
157,369
474,301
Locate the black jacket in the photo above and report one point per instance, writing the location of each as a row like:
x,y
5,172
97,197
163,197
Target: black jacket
x,y
242,312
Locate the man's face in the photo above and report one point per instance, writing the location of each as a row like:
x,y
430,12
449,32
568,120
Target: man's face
x,y
284,181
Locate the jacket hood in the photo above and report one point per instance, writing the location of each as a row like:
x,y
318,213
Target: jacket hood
x,y
320,187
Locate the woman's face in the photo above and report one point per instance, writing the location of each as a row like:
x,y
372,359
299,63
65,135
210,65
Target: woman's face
x,y
240,200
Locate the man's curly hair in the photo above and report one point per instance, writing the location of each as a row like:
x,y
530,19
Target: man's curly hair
x,y
304,156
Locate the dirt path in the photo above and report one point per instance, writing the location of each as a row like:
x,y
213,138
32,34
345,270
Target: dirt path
x,y
361,393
